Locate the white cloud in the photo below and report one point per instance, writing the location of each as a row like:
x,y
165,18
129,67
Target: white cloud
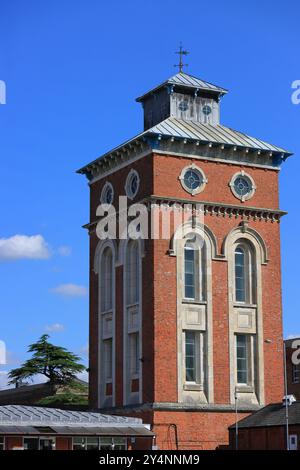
x,y
64,250
84,351
55,327
24,247
71,290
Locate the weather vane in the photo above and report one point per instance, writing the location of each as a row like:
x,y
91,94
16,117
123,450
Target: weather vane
x,y
181,53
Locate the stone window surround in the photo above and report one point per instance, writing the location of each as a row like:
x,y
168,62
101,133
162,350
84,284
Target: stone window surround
x,y
242,174
250,385
100,249
132,397
127,187
106,186
200,188
226,255
254,395
199,393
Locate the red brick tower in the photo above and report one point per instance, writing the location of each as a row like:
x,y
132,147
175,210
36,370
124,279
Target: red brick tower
x,y
179,323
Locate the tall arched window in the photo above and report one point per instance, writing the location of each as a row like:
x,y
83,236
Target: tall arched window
x,y
132,323
106,327
132,273
244,260
106,280
194,270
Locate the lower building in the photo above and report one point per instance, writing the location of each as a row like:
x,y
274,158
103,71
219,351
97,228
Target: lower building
x,y
35,428
292,369
266,429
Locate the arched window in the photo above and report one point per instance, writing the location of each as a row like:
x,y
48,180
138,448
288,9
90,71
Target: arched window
x,y
244,260
106,280
106,320
132,273
132,323
194,270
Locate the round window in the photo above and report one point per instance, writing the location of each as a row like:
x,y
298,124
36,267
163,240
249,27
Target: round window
x,y
132,184
206,110
107,194
183,106
242,186
193,179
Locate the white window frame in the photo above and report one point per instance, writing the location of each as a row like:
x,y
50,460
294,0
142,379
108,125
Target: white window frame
x,y
250,274
85,444
250,342
199,359
200,272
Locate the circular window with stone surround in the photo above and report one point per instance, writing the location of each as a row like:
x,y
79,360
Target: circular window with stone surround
x,y
242,186
107,193
193,179
132,184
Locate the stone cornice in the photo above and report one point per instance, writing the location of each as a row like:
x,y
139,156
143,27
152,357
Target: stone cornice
x,y
223,210
214,209
143,144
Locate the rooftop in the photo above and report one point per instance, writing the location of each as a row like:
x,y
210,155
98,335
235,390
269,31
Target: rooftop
x,y
176,129
33,420
271,415
185,80
40,416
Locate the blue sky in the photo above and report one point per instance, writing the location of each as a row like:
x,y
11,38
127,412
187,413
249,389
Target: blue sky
x,y
72,71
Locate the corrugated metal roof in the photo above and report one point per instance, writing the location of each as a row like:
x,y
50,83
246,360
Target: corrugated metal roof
x,y
188,81
191,130
196,131
185,79
138,430
16,415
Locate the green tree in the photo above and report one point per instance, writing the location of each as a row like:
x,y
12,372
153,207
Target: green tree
x,y
57,364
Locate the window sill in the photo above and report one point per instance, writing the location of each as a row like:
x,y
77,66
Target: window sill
x,y
194,302
193,387
244,389
244,305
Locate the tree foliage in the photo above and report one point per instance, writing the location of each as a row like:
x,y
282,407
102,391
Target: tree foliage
x,y
57,364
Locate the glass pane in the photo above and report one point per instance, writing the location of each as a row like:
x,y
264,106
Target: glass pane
x,y
192,179
105,443
189,269
190,356
31,443
240,275
242,359
46,444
